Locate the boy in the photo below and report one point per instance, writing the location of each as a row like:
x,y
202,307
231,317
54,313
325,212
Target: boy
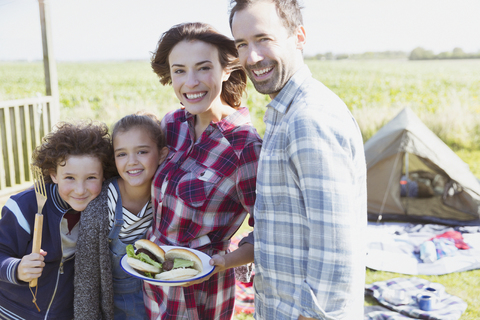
x,y
74,159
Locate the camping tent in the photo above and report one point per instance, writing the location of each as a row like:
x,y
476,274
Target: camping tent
x,y
413,176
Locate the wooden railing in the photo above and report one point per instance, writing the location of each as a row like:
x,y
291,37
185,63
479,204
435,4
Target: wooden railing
x,y
23,123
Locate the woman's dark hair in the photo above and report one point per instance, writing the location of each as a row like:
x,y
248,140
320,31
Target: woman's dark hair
x,y
75,139
289,11
233,88
144,120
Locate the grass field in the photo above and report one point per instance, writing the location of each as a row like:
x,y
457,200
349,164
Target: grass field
x,y
444,94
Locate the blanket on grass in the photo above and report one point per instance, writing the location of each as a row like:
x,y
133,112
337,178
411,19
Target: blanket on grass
x,y
244,294
400,247
448,307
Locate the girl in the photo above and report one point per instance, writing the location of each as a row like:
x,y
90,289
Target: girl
x,y
119,216
74,160
206,186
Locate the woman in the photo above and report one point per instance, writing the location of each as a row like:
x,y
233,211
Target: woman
x,y
203,191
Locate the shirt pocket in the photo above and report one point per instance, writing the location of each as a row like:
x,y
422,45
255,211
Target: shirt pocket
x,y
272,182
194,188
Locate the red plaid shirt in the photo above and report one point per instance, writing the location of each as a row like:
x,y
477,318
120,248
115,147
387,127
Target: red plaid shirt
x,y
201,195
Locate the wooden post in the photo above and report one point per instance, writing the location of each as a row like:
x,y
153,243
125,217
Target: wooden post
x,y
51,80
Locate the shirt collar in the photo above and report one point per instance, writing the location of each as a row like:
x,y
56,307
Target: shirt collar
x,y
285,96
239,117
61,204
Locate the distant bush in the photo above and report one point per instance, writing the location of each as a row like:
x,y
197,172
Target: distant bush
x,y
359,56
421,54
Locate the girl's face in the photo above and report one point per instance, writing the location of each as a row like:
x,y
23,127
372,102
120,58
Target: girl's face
x,y
136,156
197,76
79,180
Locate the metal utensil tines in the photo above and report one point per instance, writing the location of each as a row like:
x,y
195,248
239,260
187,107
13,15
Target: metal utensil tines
x,y
39,185
41,195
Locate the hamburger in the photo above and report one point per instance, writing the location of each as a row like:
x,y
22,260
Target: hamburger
x,y
180,264
152,261
148,258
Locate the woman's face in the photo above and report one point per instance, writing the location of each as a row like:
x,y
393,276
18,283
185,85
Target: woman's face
x,y
197,76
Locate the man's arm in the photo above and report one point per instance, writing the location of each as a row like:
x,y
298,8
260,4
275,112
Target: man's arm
x,y
320,157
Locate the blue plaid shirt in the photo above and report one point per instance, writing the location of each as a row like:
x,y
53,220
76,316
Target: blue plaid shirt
x,y
310,211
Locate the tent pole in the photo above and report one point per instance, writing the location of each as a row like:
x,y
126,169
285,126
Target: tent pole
x,y
391,178
406,174
388,188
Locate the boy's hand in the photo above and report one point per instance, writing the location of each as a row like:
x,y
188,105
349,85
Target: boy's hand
x,y
31,266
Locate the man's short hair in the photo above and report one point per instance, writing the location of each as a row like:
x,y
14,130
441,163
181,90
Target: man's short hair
x,y
289,11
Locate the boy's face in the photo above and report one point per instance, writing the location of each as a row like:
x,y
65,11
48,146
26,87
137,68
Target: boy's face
x,y
79,180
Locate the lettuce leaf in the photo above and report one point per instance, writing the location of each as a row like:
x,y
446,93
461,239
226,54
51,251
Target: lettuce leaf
x,y
141,256
130,251
182,263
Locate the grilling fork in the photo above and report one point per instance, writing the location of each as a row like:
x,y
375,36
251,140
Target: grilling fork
x,y
41,195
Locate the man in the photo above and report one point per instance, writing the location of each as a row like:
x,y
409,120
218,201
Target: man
x,y
310,211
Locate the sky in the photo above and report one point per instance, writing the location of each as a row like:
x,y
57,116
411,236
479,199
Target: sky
x,y
86,30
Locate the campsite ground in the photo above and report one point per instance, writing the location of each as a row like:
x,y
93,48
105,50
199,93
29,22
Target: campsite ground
x,y
465,285
444,94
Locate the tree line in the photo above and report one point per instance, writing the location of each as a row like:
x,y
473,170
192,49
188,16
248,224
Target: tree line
x,y
418,53
421,54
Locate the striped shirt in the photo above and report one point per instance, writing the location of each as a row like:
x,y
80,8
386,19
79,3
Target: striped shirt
x,y
134,225
310,210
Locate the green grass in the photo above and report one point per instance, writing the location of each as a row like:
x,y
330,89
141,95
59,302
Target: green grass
x,y
472,158
444,94
465,285
243,316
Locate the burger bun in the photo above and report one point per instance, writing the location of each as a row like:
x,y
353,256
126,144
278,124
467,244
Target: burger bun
x,y
187,255
177,274
142,266
151,247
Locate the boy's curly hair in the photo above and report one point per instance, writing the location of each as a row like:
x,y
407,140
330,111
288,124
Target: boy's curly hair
x,y
75,139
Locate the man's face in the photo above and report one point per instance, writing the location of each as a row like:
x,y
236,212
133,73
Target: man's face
x,y
267,51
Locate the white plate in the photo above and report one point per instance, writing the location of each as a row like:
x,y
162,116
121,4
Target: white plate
x,y
207,269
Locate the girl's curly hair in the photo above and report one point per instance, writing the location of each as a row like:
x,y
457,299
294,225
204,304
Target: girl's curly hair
x,y
75,139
